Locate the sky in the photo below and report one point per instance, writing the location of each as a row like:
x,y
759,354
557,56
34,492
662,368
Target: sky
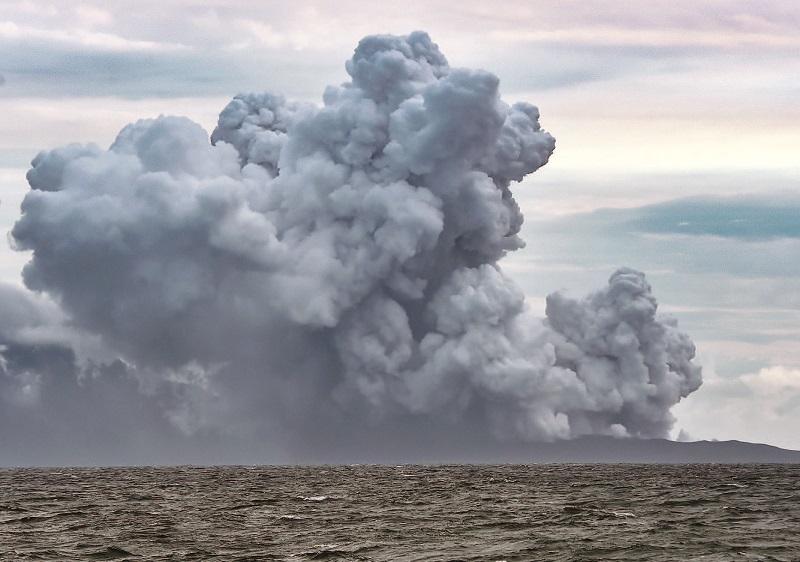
x,y
676,124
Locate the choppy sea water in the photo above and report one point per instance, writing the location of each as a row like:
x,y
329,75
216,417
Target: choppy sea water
x,y
403,513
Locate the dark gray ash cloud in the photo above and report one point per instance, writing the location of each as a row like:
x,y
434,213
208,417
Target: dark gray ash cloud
x,y
327,279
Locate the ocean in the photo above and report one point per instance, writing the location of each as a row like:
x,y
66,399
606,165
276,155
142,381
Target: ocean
x,y
403,513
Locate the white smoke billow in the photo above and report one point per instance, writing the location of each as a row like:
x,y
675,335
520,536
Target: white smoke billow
x,y
334,270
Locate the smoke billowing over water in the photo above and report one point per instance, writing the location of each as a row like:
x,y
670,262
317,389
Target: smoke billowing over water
x,y
318,278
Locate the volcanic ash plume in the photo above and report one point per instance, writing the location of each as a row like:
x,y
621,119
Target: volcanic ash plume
x,y
314,266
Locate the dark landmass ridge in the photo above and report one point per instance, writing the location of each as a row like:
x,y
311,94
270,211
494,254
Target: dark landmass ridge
x,y
614,450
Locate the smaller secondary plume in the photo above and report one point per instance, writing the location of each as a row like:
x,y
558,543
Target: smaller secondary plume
x,y
315,273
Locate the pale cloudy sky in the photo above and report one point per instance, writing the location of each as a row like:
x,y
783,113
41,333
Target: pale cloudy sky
x,y
677,128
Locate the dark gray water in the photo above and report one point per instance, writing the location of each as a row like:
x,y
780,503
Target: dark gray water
x,y
535,512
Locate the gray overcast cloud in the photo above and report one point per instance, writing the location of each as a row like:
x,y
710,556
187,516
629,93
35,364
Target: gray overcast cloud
x,y
677,132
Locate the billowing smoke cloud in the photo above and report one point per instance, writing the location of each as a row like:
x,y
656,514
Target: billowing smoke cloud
x,y
58,409
320,275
